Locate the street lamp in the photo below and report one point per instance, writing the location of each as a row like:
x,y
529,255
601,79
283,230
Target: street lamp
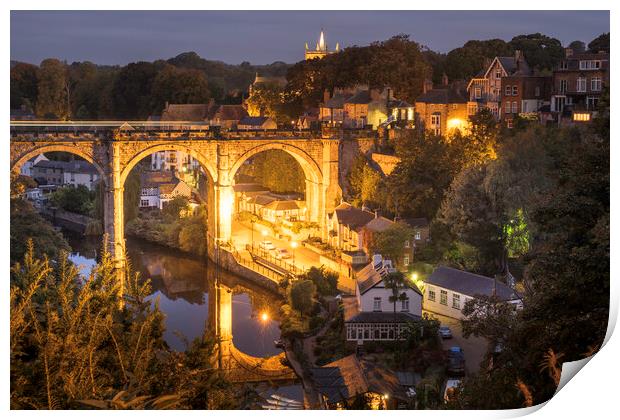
x,y
264,316
293,246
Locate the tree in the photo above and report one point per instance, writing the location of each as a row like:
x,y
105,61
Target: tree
x,y
131,92
540,51
131,194
74,199
52,98
390,243
600,43
578,47
326,281
276,170
24,86
174,207
180,86
301,296
466,61
364,183
395,282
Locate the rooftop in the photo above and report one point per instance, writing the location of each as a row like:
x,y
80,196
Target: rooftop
x,y
353,217
74,166
469,284
381,317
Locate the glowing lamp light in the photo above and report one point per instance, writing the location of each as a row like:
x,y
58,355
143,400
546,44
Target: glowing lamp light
x,y
386,396
414,277
263,232
456,124
293,244
264,317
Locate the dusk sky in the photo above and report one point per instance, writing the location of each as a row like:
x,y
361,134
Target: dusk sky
x,y
261,37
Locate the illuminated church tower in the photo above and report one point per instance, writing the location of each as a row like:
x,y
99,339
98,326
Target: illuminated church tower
x,y
321,49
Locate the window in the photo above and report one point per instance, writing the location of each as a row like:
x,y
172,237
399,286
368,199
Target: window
x,y
595,84
515,90
591,102
508,91
404,305
537,91
581,84
498,73
406,260
514,108
507,108
509,123
456,301
564,65
581,116
477,93
443,297
431,294
376,304
436,123
589,64
417,235
407,244
563,86
144,203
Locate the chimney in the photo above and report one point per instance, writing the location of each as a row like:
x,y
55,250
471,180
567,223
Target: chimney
x,y
518,55
444,79
374,94
326,95
568,52
427,85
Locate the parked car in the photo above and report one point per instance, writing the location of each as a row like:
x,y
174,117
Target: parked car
x,y
266,246
445,332
281,254
451,385
456,360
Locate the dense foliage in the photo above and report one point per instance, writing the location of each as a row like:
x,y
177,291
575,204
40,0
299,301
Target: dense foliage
x,y
97,342
276,170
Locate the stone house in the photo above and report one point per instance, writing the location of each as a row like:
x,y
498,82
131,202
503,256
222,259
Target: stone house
x,y
74,173
524,95
443,109
344,227
257,123
158,188
485,89
578,84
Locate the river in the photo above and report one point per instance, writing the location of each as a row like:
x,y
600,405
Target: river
x,y
181,284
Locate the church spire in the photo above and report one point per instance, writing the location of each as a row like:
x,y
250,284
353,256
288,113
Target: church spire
x,y
322,46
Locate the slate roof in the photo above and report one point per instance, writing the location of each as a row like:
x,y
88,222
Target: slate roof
x,y
443,95
469,284
380,317
361,97
352,216
262,200
337,101
280,205
229,112
416,221
350,376
379,224
253,121
249,187
185,112
398,103
75,166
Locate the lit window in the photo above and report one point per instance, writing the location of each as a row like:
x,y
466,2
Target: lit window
x,y
443,297
477,93
376,304
507,108
407,244
417,235
498,73
456,301
514,108
581,116
406,260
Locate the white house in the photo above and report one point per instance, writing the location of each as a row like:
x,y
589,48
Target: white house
x,y
448,289
158,188
26,168
80,172
377,320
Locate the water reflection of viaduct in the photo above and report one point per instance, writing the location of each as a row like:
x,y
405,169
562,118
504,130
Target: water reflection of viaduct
x,y
192,278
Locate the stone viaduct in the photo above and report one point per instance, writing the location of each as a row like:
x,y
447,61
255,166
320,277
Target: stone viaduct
x,y
115,151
